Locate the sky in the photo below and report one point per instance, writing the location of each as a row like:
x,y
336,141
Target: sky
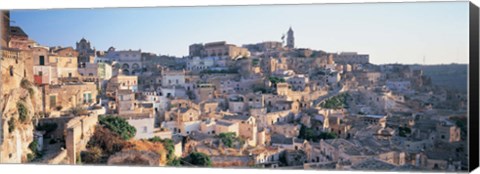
x,y
406,33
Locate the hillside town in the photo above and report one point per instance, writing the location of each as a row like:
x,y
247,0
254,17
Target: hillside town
x,y
258,105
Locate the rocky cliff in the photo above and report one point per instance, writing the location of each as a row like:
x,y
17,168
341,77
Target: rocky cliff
x,y
18,109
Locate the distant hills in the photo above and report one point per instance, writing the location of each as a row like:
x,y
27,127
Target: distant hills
x,y
451,76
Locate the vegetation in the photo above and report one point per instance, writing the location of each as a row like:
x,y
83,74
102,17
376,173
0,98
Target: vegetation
x,y
255,62
461,122
276,80
25,84
36,153
307,133
119,126
77,110
310,134
403,131
227,71
92,156
229,139
174,162
169,146
11,125
327,135
262,89
47,127
22,112
106,140
197,159
336,102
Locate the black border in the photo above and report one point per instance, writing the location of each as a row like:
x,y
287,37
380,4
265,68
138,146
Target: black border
x,y
473,121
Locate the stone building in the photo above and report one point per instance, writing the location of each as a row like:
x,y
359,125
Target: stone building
x,y
290,39
18,39
448,132
85,52
351,58
68,95
173,78
5,20
129,61
219,49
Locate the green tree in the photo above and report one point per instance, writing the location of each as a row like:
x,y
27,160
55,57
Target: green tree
x,y
327,135
276,80
197,159
307,133
119,126
227,138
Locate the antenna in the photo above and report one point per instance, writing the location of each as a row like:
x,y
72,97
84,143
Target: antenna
x,y
424,60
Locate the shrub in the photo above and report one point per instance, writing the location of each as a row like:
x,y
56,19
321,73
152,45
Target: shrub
x,y
327,135
336,102
229,139
25,84
403,131
11,125
307,134
168,144
118,125
30,157
36,153
22,112
276,80
77,110
197,159
92,156
174,162
106,140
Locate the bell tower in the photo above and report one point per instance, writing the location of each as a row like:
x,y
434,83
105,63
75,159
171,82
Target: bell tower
x,y
290,39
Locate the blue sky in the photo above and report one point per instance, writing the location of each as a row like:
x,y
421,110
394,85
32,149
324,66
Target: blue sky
x,y
389,32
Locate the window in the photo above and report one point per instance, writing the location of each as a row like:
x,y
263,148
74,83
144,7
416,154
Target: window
x,y
42,60
53,101
145,129
11,71
87,98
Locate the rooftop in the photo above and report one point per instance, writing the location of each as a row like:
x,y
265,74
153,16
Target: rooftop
x,y
280,139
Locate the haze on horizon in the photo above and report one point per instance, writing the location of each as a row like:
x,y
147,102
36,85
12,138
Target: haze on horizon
x,y
403,33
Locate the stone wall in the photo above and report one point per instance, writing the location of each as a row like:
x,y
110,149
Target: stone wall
x,y
77,134
60,158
